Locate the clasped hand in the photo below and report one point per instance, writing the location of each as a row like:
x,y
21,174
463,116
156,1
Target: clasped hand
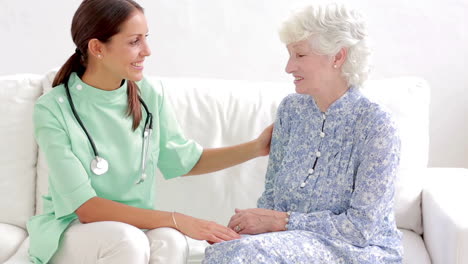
x,y
257,221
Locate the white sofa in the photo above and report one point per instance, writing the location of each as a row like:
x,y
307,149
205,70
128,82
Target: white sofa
x,y
429,205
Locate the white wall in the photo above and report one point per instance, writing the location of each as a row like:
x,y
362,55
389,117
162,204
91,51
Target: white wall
x,y
237,39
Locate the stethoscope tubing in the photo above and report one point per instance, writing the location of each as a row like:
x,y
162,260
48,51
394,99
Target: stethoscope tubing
x,y
147,131
77,117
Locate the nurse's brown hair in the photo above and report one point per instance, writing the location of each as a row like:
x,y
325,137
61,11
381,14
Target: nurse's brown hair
x,y
99,19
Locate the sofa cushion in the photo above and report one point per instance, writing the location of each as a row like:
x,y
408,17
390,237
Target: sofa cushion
x,y
18,155
408,212
11,238
414,250
197,250
21,256
445,215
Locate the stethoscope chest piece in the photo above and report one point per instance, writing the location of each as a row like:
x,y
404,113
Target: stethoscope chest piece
x,y
99,165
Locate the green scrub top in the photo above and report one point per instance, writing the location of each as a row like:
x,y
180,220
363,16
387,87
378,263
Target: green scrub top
x,y
69,153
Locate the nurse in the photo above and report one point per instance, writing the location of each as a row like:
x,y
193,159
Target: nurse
x,y
104,129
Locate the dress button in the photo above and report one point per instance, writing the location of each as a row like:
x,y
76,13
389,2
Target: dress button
x,y
60,99
322,134
302,184
318,154
311,171
79,87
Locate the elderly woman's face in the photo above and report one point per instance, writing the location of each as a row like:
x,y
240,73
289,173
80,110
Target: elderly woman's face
x,y
311,71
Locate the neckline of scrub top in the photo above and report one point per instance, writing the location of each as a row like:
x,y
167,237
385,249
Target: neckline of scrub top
x,y
79,89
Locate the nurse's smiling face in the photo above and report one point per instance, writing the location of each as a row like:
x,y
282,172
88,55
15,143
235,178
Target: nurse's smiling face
x,y
123,55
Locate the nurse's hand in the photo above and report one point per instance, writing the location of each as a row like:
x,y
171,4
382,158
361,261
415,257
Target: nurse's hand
x,y
204,230
257,221
263,141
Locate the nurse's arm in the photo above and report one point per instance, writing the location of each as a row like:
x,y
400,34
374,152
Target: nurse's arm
x,y
99,209
215,159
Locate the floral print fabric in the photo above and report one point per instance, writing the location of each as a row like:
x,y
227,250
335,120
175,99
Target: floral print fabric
x,y
335,172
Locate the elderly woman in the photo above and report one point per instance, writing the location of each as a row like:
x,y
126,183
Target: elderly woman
x,y
334,155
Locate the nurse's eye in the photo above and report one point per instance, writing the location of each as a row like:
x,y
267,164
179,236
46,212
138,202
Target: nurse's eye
x,y
135,42
300,55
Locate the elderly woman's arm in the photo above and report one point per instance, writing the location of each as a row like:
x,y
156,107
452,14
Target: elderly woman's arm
x,y
264,219
279,140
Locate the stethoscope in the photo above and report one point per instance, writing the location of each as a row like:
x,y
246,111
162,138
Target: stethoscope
x,y
99,165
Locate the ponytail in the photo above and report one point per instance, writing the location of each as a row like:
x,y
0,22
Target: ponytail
x,y
134,107
73,64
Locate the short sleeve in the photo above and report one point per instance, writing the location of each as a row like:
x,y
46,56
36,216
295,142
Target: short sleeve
x,y
69,183
178,155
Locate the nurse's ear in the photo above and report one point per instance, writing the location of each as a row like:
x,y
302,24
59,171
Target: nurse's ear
x,y
95,48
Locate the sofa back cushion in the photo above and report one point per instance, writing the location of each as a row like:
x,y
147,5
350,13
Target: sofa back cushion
x,y
219,113
18,153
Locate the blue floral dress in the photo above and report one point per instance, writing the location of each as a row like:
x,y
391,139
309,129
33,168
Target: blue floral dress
x,y
335,172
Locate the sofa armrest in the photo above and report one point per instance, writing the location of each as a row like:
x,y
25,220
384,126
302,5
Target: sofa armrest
x,y
445,215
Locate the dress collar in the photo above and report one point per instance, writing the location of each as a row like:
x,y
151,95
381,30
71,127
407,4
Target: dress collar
x,y
79,89
342,105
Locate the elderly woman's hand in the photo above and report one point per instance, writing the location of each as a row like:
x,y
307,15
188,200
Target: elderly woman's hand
x,y
257,221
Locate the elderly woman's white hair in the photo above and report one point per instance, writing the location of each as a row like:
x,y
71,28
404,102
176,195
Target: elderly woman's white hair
x,y
330,27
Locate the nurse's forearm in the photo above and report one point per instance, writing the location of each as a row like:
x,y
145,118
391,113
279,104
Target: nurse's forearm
x,y
99,209
220,158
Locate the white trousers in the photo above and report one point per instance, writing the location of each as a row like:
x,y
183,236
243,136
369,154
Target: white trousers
x,y
120,243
